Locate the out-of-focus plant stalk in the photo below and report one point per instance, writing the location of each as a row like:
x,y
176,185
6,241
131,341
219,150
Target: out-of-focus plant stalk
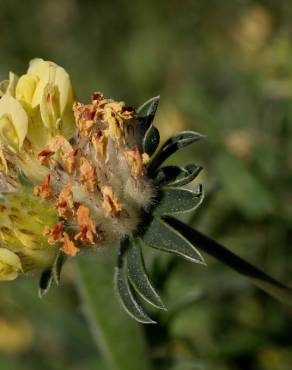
x,y
119,338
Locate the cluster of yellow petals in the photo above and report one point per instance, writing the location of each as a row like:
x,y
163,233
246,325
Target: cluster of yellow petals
x,y
36,106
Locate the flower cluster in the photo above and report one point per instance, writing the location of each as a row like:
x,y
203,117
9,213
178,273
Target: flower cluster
x,y
84,188
78,177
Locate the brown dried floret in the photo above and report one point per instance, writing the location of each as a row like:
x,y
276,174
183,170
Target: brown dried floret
x,y
65,204
88,232
87,175
137,161
55,234
44,191
110,201
99,142
85,117
70,161
44,156
69,246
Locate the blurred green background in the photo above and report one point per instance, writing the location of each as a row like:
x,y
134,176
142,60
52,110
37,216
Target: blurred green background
x,y
223,68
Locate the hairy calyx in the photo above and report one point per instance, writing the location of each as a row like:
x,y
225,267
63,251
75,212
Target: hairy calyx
x,y
97,181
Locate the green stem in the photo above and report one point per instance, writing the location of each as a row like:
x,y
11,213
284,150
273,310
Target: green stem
x,y
270,285
119,338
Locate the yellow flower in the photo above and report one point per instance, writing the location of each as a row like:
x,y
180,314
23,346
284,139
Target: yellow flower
x,y
10,265
48,86
13,122
46,94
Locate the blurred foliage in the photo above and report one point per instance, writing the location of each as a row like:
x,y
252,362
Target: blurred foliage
x,y
222,68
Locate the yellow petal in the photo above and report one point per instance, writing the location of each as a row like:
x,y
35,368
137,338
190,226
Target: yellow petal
x,y
50,107
25,88
49,72
38,66
12,84
62,80
60,115
8,133
10,265
37,134
13,122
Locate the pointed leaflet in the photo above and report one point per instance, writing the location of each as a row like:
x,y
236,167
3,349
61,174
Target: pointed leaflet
x,y
148,109
267,283
151,140
57,266
173,144
176,176
45,282
145,114
51,274
138,275
173,200
123,289
162,236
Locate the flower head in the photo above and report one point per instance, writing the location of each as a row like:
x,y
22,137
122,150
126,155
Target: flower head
x,y
68,191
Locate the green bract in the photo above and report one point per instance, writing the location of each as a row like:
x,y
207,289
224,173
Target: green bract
x,y
162,231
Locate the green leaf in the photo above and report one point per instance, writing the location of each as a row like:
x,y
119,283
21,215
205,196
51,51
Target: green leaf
x,y
173,144
151,140
138,275
162,236
119,338
148,109
45,282
124,292
174,200
150,134
57,267
176,176
24,180
267,283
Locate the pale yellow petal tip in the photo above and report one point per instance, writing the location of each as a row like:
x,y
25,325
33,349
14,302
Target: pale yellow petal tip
x,y
10,265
